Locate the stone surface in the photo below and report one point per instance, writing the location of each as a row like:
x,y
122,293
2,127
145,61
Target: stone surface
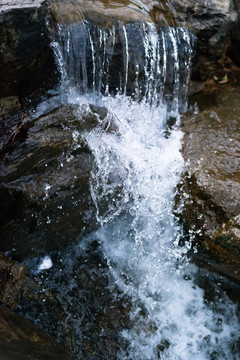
x,y
26,60
234,49
106,13
45,174
210,192
77,306
12,276
20,340
44,178
211,22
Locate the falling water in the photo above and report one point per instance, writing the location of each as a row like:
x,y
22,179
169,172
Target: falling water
x,y
133,59
139,74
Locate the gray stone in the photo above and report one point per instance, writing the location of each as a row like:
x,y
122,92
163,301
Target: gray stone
x,y
211,22
210,191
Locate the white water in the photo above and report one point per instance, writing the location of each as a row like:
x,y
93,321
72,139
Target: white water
x,y
136,170
133,189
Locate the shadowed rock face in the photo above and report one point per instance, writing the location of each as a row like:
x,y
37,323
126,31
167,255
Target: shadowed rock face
x,y
26,60
211,22
234,50
210,193
12,276
20,340
44,179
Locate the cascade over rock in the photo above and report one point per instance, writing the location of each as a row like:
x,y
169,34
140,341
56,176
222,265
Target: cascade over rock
x,y
27,63
88,184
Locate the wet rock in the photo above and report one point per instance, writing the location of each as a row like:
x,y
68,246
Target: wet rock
x,y
8,107
12,276
74,303
10,116
44,180
105,13
210,190
211,22
20,340
26,60
234,47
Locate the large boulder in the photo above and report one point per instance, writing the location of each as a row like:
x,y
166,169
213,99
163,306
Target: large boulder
x,y
26,58
209,201
45,170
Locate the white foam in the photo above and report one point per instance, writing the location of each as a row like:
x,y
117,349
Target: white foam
x,y
46,263
133,188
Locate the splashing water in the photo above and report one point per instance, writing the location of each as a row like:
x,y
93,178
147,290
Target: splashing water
x,y
137,167
133,189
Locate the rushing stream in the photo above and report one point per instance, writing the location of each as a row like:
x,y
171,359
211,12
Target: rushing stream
x,y
128,290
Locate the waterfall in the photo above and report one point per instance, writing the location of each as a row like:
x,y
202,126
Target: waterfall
x,y
137,59
139,73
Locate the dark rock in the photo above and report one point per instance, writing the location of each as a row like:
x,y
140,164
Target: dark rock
x,y
210,191
8,107
12,276
44,179
44,174
211,22
10,116
234,48
20,340
26,59
73,301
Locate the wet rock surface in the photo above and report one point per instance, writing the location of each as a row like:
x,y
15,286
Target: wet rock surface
x,y
235,37
211,22
45,172
12,276
26,60
73,302
211,188
20,339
